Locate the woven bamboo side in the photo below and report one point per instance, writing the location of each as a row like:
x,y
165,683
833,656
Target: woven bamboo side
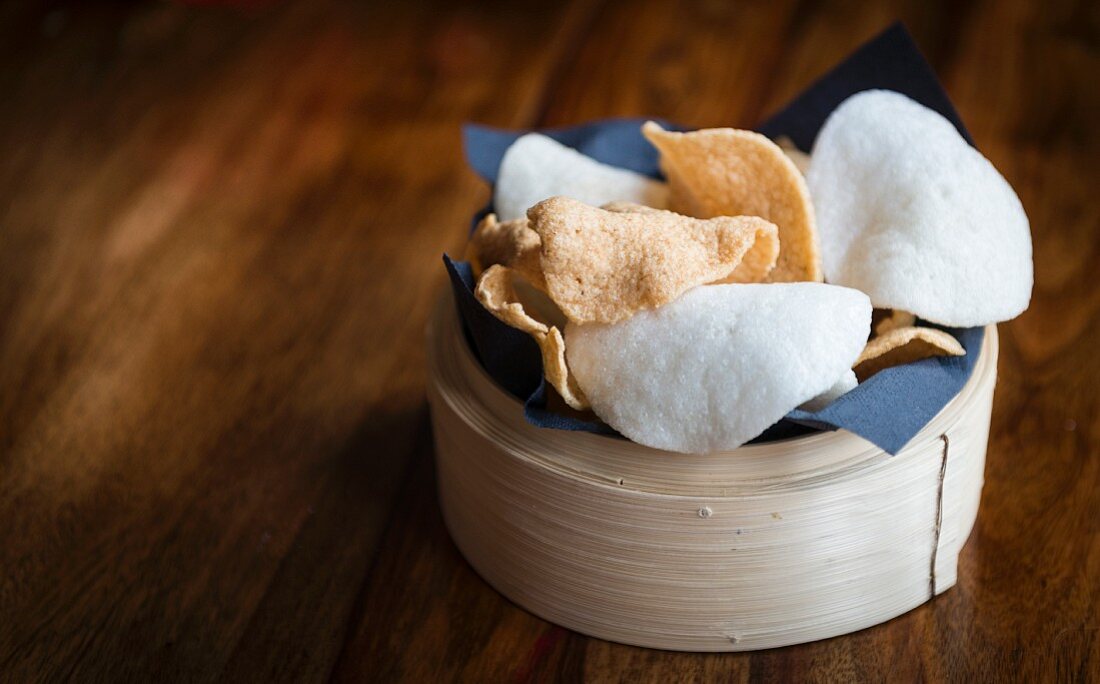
x,y
767,545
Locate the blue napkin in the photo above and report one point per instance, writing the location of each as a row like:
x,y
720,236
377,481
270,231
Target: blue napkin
x,y
888,409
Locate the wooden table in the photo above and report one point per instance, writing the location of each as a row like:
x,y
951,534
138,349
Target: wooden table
x,y
220,240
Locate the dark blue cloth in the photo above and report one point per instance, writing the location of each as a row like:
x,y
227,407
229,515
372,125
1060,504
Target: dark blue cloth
x,y
889,408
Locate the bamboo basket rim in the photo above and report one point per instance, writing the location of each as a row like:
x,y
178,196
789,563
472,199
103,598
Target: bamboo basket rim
x,y
802,462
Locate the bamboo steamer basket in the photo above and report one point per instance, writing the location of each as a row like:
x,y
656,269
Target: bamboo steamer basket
x,y
767,545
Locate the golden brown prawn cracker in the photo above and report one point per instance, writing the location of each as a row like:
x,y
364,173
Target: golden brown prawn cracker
x,y
904,345
497,293
754,266
557,370
894,320
757,263
509,243
604,266
630,208
729,172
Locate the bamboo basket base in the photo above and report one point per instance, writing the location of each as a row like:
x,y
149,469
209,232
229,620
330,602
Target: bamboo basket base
x,y
768,545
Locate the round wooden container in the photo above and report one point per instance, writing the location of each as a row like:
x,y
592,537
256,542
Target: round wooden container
x,y
768,545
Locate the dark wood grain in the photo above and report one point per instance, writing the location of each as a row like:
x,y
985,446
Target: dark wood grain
x,y
219,239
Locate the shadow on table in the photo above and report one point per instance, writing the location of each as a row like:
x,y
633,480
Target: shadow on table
x,y
423,611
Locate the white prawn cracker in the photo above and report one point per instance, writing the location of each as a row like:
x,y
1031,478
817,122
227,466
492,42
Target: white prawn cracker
x,y
719,365
537,167
844,385
912,215
497,293
730,172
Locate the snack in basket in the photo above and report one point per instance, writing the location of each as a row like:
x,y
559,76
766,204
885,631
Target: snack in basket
x,y
719,365
511,243
845,384
891,319
604,266
755,264
496,291
685,328
729,172
899,346
912,215
536,167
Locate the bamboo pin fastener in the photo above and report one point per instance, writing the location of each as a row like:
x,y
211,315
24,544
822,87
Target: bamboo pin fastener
x,y
768,545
